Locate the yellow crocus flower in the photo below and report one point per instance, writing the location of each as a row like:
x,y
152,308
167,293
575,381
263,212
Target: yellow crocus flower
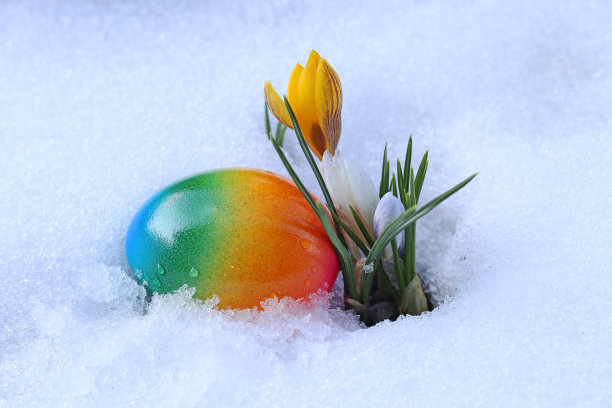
x,y
315,95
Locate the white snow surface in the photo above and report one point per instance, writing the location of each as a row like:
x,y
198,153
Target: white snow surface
x,y
104,103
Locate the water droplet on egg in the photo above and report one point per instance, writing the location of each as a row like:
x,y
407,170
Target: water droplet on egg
x,y
305,243
156,282
160,269
272,295
194,272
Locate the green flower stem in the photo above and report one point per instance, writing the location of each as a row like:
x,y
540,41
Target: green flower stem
x,y
362,246
410,260
293,174
396,262
313,165
268,128
280,134
362,226
344,257
392,288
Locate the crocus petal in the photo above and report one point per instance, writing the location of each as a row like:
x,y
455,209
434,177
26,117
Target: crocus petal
x,y
328,101
276,105
307,113
350,186
313,60
336,178
365,195
388,209
292,88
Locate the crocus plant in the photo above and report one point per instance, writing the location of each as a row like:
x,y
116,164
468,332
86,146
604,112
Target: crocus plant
x,y
315,94
373,232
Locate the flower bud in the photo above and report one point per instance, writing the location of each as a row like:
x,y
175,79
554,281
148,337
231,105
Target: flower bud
x,y
388,209
315,95
350,186
412,300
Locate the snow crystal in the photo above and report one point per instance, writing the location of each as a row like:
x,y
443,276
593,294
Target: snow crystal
x,y
102,104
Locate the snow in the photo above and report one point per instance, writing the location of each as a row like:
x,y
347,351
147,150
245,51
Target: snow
x,y
101,105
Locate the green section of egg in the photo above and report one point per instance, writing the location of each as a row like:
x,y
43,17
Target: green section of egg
x,y
174,239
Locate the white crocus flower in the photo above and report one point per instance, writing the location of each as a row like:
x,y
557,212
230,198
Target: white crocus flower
x,y
389,208
350,185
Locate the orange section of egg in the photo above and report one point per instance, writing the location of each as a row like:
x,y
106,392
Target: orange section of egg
x,y
273,244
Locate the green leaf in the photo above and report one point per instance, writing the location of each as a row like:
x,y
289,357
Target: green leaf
x,y
394,185
268,128
345,257
408,218
413,200
380,269
383,187
293,174
387,176
396,263
401,223
408,162
400,179
412,266
280,133
362,246
420,176
362,226
410,245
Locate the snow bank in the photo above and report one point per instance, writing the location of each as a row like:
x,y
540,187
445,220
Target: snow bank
x,y
102,105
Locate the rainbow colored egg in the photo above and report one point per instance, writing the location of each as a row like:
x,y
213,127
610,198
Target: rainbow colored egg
x,y
241,234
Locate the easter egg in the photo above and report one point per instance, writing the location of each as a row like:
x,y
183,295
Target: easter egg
x,y
241,234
